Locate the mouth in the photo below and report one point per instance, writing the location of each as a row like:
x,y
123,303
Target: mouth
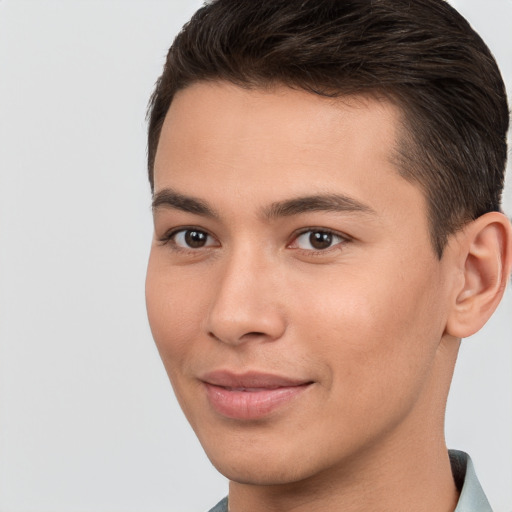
x,y
250,396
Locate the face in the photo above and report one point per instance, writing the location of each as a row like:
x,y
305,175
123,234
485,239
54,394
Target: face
x,y
292,288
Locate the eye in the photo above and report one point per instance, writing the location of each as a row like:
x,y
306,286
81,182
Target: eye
x,y
192,239
317,240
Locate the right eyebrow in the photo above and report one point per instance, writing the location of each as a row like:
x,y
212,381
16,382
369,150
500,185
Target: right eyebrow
x,y
168,198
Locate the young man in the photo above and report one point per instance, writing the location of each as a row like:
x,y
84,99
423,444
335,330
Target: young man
x,y
326,180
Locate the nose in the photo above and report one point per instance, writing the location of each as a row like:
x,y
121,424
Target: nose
x,y
245,304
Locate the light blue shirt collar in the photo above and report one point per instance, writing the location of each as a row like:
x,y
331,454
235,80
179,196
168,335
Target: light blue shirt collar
x,y
472,497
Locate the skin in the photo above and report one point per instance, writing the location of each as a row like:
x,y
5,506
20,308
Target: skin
x,y
363,321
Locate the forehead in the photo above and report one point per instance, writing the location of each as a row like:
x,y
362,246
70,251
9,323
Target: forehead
x,y
219,140
205,114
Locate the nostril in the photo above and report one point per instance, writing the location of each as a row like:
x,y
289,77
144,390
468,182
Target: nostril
x,y
212,335
245,337
251,334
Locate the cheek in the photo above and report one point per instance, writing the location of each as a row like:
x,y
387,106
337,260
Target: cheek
x,y
375,332
174,319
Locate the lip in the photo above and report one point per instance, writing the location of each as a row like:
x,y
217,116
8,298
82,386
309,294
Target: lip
x,y
251,395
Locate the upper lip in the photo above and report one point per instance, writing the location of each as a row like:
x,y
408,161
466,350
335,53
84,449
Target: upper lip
x,y
251,379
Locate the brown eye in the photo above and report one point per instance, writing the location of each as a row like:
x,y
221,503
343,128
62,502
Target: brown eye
x,y
317,240
193,239
196,239
320,240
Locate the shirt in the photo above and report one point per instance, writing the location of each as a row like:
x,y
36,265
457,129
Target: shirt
x,y
471,499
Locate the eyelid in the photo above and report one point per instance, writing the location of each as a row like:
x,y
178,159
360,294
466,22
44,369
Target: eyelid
x,y
344,239
169,238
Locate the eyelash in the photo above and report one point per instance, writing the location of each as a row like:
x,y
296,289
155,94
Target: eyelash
x,y
170,238
343,239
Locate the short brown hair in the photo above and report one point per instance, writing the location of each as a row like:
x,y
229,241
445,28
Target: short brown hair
x,y
421,54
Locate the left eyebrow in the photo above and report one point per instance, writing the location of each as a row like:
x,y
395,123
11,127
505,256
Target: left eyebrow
x,y
316,203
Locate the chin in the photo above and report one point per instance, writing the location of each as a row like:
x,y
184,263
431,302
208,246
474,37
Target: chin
x,y
260,472
248,462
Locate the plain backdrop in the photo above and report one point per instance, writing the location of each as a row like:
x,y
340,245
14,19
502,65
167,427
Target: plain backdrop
x,y
88,422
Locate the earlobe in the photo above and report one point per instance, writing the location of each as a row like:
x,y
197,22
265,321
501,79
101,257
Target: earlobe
x,y
485,263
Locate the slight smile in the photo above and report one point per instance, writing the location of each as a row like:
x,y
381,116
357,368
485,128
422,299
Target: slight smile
x,y
252,395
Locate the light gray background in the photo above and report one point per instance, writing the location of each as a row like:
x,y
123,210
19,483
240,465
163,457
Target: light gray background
x,y
87,418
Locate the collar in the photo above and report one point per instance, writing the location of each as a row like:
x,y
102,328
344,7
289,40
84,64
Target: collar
x,y
472,497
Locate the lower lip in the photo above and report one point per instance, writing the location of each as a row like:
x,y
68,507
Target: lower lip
x,y
250,404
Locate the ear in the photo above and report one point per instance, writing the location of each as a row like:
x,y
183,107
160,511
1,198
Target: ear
x,y
485,263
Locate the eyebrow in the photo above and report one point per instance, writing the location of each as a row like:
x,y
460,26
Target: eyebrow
x,y
169,198
317,203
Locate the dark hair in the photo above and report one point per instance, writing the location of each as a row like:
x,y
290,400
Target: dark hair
x,y
421,54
